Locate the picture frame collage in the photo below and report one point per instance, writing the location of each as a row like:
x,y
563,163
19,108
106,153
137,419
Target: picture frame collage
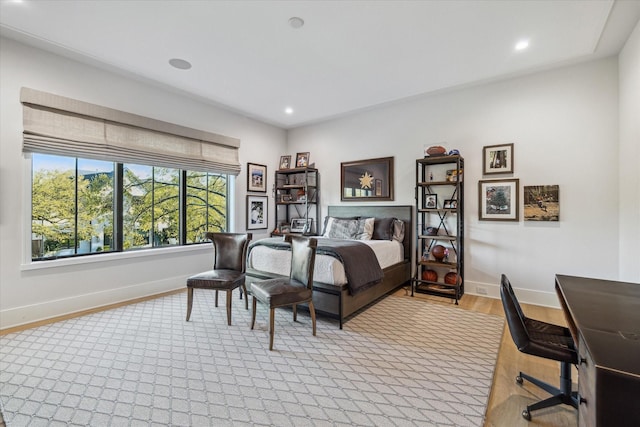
x,y
499,199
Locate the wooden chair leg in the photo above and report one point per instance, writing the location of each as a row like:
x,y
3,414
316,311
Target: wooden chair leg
x,y
271,327
229,295
295,313
312,311
216,298
253,314
189,302
246,299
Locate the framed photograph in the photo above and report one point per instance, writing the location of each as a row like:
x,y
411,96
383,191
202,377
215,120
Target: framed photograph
x,y
284,229
497,159
300,225
256,178
285,162
359,180
541,202
431,201
498,200
284,198
302,160
450,204
257,212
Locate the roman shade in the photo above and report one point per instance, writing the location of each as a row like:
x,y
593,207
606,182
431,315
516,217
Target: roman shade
x,y
63,126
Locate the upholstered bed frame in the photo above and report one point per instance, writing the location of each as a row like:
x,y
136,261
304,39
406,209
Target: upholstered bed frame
x,y
336,300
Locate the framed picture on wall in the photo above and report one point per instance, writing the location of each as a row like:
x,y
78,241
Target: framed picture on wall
x,y
498,200
541,202
497,159
257,214
367,180
256,177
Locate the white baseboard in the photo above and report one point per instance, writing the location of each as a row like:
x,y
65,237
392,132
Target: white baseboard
x,y
60,307
525,296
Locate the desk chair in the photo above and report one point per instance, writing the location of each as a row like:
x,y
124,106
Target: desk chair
x,y
292,290
229,268
543,340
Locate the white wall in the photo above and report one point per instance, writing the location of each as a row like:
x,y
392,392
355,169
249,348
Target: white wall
x,y
30,294
629,172
564,125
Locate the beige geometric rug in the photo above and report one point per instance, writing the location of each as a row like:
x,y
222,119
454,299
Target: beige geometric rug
x,y
400,362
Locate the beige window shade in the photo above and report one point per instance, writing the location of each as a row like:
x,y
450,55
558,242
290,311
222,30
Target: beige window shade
x,y
68,127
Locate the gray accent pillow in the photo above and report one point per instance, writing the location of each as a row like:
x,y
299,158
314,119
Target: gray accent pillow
x,y
365,229
326,220
383,229
398,230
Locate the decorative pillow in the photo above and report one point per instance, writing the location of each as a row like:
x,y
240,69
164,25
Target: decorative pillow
x,y
365,229
338,228
326,221
383,229
398,230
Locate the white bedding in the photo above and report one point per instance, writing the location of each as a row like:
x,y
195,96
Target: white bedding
x,y
327,268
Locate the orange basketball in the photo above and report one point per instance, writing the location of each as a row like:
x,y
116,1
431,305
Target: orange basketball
x,y
451,278
430,275
438,252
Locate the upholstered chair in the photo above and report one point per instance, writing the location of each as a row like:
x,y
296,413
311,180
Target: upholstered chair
x,y
229,268
541,339
289,291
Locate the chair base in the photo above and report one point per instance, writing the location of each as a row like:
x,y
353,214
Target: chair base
x,y
560,396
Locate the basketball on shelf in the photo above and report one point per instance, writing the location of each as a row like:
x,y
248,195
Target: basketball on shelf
x,y
451,278
438,252
430,275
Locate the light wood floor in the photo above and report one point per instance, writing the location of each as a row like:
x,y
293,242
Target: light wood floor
x,y
507,399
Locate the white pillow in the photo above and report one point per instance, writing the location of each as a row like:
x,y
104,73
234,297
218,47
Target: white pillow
x,y
365,229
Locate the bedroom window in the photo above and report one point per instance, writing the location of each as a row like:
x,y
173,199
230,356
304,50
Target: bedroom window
x,y
75,206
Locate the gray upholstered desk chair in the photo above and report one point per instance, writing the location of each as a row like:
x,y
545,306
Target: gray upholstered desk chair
x,y
289,291
541,339
229,268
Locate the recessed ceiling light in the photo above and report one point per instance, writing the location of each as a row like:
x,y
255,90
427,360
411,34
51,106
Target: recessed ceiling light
x,y
296,22
180,64
288,110
522,45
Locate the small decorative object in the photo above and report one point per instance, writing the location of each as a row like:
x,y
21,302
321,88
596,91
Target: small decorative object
x,y
286,198
436,150
430,176
541,202
285,162
454,152
430,275
431,231
451,278
438,252
302,160
497,159
256,177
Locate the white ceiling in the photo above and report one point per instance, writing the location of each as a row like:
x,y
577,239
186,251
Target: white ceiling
x,y
349,55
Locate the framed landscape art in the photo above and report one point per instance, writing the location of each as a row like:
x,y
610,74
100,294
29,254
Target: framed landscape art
x,y
256,177
541,202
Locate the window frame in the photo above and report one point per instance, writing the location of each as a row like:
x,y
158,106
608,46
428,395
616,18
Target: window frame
x,y
118,252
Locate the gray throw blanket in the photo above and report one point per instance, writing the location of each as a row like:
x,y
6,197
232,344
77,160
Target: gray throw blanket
x,y
360,263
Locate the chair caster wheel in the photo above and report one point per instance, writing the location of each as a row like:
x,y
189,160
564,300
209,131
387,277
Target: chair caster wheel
x,y
519,381
526,415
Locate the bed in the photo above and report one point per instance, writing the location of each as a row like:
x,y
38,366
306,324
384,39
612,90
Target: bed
x,y
334,294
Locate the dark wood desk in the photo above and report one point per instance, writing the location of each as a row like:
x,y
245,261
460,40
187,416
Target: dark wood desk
x,y
604,318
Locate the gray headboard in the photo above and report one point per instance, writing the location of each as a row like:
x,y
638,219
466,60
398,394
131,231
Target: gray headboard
x,y
402,212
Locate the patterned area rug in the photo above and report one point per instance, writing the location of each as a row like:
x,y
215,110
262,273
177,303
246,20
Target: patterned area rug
x,y
402,362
